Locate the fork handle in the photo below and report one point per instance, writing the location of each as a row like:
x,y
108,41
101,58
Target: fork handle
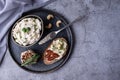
x,y
77,19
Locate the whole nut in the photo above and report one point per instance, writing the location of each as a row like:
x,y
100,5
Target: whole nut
x,y
50,16
58,23
49,26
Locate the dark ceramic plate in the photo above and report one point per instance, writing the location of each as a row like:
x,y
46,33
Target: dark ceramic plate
x,y
40,67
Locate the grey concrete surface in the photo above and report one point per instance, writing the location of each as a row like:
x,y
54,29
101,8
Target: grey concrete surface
x,y
96,54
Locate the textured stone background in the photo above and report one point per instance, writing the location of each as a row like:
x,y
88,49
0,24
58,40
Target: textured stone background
x,y
96,54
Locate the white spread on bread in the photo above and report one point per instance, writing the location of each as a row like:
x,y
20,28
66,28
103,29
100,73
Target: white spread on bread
x,y
59,47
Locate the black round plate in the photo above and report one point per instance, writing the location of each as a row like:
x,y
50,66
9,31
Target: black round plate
x,y
40,67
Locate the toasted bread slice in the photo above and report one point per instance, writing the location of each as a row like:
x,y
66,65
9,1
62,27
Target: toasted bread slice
x,y
55,51
28,57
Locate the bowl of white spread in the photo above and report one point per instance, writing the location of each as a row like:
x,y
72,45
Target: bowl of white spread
x,y
27,31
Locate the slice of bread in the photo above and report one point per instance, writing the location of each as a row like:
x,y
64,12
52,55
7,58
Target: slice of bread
x,y
55,51
28,57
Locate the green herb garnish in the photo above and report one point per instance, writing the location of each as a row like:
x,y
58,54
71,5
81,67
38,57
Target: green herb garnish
x,y
62,46
31,60
35,27
26,20
26,29
54,47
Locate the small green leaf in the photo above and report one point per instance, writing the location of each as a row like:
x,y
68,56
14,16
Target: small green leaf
x,y
26,29
31,60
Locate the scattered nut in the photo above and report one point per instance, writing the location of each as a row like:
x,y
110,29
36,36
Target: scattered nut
x,y
58,23
49,26
50,16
